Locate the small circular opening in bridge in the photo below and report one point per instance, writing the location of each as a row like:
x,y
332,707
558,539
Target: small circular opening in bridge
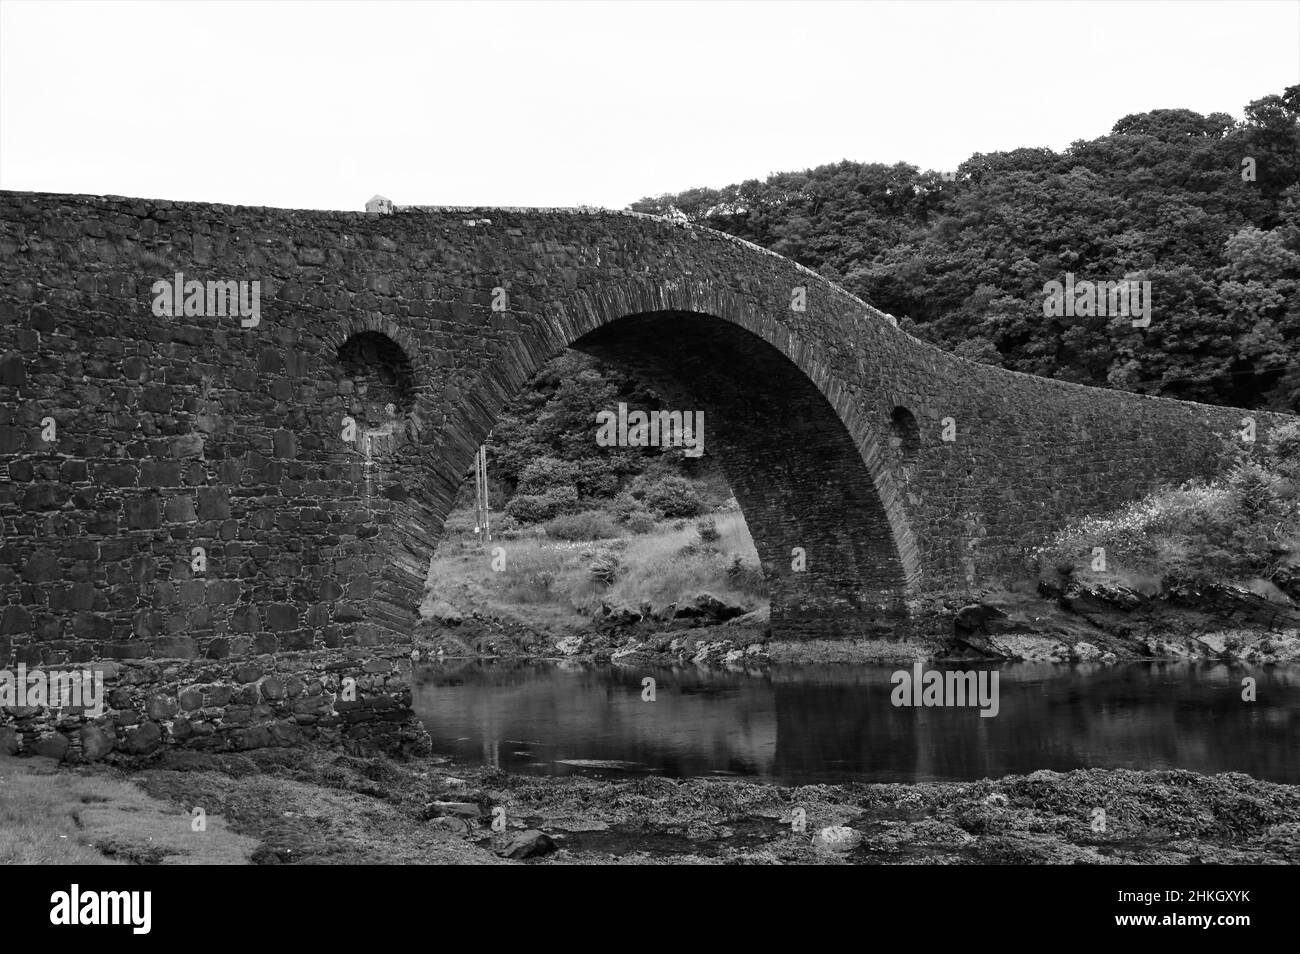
x,y
383,381
906,433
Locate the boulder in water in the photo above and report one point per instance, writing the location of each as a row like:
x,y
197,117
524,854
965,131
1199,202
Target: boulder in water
x,y
528,844
836,838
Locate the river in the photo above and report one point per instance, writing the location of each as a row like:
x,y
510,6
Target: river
x,y
807,724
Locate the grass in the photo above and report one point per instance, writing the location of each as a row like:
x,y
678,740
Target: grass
x,y
54,816
672,566
548,582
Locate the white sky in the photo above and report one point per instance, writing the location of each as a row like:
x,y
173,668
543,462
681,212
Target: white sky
x,y
321,105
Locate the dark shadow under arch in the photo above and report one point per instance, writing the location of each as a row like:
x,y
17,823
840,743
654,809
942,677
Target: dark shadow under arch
x,y
796,470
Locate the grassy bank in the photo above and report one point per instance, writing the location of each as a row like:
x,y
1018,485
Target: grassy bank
x,y
557,577
98,816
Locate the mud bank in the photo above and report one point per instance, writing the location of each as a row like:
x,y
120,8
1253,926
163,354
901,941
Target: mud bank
x,y
314,806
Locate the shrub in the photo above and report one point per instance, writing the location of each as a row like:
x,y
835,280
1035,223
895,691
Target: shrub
x,y
642,522
594,477
708,530
1256,490
536,508
625,507
669,494
745,577
604,568
547,473
587,525
1282,447
597,477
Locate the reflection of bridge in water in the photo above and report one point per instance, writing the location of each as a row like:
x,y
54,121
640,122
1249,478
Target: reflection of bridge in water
x,y
835,724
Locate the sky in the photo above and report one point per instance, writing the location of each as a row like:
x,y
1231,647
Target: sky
x,y
322,105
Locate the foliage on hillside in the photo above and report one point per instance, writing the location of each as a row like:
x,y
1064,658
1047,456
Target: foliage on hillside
x,y
1160,198
543,460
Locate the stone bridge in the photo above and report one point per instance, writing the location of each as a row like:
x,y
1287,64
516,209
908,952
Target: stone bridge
x,y
311,448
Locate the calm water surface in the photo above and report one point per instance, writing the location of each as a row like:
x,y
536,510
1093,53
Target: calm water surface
x,y
800,724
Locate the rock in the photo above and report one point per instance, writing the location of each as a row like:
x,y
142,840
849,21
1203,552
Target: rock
x,y
450,823
632,649
191,698
717,609
1085,652
622,616
445,613
836,838
569,645
143,740
527,844
1284,838
705,652
53,746
975,618
161,706
758,617
1087,599
96,742
460,809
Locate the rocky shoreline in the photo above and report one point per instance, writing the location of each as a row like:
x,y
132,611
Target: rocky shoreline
x,y
1077,622
317,806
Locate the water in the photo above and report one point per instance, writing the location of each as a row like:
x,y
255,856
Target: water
x,y
804,724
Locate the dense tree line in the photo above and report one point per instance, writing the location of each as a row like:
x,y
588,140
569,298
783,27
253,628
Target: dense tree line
x,y
1204,207
544,444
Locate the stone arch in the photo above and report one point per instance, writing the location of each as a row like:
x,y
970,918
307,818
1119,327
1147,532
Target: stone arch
x,y
855,521
353,325
380,370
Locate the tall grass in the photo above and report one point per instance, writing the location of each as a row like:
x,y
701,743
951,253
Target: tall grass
x,y
548,579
